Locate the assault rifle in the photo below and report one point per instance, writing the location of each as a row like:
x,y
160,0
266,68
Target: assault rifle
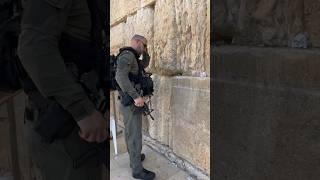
x,y
127,100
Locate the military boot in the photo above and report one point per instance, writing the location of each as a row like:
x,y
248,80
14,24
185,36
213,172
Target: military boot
x,y
145,175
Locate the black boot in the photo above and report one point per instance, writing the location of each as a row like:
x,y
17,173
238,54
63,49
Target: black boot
x,y
143,157
145,175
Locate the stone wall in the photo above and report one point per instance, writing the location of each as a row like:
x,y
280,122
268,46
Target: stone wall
x,y
178,34
266,90
290,23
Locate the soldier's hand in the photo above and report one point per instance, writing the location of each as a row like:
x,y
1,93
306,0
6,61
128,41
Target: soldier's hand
x,y
139,102
93,128
146,56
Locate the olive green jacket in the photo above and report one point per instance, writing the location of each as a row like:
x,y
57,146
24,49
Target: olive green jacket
x,y
127,63
42,24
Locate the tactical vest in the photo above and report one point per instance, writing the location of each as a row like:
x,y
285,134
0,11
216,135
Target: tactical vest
x,y
142,78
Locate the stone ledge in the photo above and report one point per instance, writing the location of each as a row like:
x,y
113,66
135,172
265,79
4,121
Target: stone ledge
x,y
277,67
172,157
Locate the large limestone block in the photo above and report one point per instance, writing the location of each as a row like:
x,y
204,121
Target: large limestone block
x,y
116,38
190,112
277,67
266,113
290,23
241,21
120,9
160,128
165,38
140,23
193,33
265,133
312,15
181,36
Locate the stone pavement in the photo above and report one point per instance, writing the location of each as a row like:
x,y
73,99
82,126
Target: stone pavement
x,y
120,170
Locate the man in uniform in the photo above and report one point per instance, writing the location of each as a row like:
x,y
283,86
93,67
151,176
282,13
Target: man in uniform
x,y
127,64
43,26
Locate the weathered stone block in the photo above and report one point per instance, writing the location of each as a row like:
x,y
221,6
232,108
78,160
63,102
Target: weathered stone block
x,y
116,38
140,23
268,66
264,133
266,120
268,22
191,120
312,24
119,9
160,128
181,36
192,32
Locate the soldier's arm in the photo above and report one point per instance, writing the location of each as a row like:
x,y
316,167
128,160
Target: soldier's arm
x,y
124,62
42,24
145,60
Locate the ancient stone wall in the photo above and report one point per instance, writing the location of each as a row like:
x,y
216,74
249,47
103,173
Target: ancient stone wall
x,y
287,23
266,89
178,34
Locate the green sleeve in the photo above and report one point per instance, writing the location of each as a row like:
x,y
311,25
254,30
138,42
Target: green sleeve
x,y
124,63
42,24
145,60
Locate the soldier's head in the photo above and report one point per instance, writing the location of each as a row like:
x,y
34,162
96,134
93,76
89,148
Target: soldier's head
x,y
139,43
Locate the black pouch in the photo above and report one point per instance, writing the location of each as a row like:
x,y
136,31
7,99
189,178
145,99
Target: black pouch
x,y
126,100
54,123
137,110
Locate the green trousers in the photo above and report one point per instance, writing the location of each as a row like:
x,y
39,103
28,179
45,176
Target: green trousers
x,y
133,136
57,160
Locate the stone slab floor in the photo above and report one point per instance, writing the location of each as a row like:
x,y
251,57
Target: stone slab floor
x,y
120,168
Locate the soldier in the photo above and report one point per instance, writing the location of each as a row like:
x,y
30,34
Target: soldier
x,y
57,50
127,71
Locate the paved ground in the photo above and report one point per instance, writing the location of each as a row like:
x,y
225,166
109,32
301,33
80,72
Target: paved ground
x,y
120,169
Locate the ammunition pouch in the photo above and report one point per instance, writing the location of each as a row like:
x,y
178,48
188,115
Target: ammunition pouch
x,y
54,123
145,82
125,99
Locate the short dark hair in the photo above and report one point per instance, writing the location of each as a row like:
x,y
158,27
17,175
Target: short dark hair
x,y
138,37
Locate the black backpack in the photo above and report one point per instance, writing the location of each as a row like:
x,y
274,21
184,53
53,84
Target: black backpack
x,y
142,78
113,68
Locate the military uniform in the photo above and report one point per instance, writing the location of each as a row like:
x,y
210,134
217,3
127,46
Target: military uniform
x,y
127,63
43,23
